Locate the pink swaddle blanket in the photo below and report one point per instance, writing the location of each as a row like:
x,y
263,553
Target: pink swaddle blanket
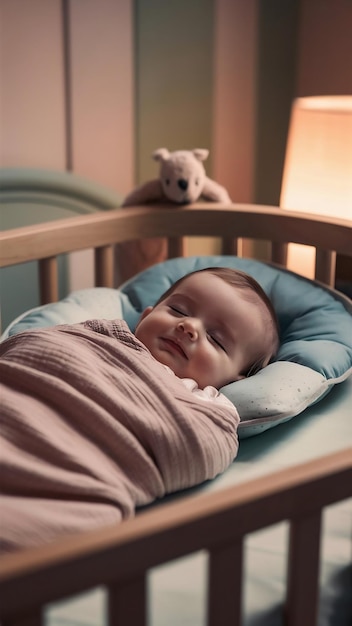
x,y
92,426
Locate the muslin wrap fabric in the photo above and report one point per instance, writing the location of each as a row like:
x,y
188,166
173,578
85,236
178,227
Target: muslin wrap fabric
x,y
92,427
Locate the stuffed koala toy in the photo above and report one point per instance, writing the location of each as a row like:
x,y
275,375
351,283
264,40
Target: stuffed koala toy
x,y
182,180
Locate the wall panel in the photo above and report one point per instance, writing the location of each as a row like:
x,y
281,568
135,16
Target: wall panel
x,y
234,96
276,74
174,51
102,91
32,85
324,59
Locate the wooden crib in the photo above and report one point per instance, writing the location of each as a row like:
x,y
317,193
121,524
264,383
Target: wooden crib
x,y
120,557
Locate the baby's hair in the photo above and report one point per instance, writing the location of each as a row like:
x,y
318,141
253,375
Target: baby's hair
x,y
253,293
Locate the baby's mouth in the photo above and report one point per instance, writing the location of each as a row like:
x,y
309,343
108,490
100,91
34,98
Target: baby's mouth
x,y
174,346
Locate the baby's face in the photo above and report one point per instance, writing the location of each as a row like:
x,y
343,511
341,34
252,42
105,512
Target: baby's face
x,y
204,330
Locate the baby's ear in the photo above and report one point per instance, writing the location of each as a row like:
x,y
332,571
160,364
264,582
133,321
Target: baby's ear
x,y
145,313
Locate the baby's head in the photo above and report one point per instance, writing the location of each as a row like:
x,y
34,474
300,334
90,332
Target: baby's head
x,y
214,325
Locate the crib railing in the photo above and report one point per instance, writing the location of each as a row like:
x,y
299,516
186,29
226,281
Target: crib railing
x,y
120,557
101,230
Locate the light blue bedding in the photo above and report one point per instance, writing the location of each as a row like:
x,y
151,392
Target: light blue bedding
x,y
315,333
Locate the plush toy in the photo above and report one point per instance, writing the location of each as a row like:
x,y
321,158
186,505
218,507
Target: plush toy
x,y
182,180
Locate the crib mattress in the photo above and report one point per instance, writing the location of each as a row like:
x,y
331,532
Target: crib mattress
x,y
177,590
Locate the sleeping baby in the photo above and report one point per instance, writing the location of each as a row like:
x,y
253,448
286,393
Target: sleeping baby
x,y
98,421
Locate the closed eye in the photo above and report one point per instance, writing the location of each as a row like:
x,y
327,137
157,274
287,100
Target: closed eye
x,y
217,342
178,311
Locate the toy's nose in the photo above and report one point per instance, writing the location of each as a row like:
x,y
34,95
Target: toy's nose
x,y
182,183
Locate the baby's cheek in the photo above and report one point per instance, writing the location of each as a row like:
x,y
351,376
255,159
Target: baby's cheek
x,y
210,368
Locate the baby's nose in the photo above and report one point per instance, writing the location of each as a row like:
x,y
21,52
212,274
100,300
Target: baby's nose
x,y
190,327
182,183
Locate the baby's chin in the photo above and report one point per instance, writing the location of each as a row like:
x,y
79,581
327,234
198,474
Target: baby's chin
x,y
167,359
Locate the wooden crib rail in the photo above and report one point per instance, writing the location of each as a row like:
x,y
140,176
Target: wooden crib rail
x,y
229,222
119,557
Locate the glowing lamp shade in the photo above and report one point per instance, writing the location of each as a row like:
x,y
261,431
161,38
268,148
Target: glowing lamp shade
x,y
317,174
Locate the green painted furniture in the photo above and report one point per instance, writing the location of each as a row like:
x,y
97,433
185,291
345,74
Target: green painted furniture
x,y
31,196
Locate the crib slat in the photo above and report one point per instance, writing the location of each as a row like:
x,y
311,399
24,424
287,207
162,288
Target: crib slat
x,y
229,245
104,266
225,584
127,603
48,280
176,247
279,253
303,571
325,267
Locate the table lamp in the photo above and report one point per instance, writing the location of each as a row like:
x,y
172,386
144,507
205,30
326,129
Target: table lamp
x,y
317,175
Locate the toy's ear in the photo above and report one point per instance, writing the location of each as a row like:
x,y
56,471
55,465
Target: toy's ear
x,y
201,153
162,154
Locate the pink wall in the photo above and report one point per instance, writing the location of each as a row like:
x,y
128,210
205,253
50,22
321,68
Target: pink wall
x,y
234,98
324,59
32,85
101,44
67,88
81,114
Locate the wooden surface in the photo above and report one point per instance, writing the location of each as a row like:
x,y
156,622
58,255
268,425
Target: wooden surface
x,y
258,222
119,557
122,553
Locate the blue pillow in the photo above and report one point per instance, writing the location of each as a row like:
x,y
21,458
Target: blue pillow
x,y
315,333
